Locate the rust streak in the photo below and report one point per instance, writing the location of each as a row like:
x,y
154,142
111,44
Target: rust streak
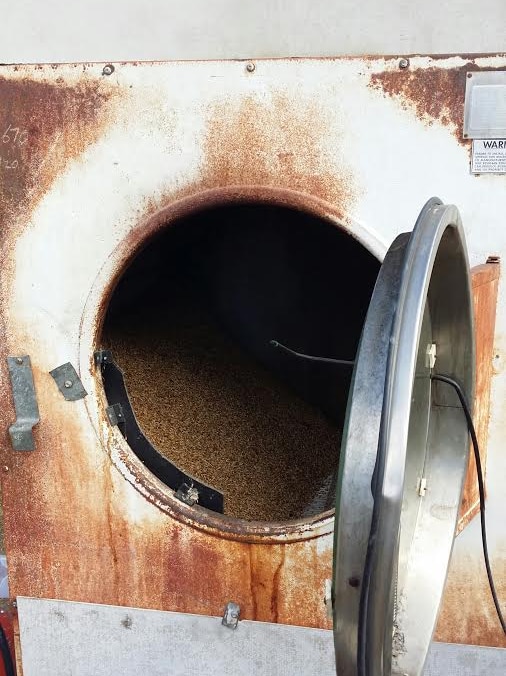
x,y
484,281
266,568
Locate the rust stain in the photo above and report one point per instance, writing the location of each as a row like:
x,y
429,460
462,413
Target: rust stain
x,y
43,125
265,144
266,566
69,536
484,282
268,149
467,613
275,142
433,94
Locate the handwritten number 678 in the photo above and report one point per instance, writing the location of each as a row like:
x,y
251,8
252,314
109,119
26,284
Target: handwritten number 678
x,y
15,135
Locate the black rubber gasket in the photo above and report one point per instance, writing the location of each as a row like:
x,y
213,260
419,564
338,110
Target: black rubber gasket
x,y
160,466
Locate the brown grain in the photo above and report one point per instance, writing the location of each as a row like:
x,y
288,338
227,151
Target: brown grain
x,y
221,417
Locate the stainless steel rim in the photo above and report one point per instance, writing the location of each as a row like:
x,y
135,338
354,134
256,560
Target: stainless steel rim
x,y
402,523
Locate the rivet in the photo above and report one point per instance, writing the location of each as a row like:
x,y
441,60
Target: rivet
x,y
6,468
250,67
354,582
19,360
404,63
108,69
68,384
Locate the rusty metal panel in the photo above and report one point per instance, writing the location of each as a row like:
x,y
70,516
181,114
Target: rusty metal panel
x,y
485,282
94,161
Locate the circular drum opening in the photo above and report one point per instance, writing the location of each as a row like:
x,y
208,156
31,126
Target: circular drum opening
x,y
190,324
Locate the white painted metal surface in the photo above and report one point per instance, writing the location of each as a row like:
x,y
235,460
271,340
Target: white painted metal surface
x,y
197,29
77,639
164,135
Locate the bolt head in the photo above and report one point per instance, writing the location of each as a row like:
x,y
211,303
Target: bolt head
x,y
68,384
404,63
250,67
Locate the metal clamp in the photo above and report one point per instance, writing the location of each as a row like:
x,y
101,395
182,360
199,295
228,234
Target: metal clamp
x,y
25,403
231,615
115,414
187,494
68,382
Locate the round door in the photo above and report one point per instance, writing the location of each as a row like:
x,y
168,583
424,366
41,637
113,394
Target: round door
x,y
404,452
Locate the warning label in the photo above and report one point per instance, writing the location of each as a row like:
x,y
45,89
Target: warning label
x,y
489,157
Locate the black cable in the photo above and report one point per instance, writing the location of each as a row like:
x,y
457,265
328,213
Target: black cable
x,y
309,357
6,654
472,432
479,471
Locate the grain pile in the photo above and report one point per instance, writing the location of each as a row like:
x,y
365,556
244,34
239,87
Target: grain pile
x,y
223,418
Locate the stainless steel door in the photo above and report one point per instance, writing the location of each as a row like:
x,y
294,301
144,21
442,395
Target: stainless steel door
x,y
405,450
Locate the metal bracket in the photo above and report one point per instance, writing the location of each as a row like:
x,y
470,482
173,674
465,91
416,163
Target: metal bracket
x,y
25,403
103,357
231,615
187,494
68,382
328,599
431,356
115,414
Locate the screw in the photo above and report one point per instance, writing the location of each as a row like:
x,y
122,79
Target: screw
x,y
404,63
6,468
108,70
68,384
250,67
19,360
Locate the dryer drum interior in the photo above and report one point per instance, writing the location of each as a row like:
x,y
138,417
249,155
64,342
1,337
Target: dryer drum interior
x,y
255,429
